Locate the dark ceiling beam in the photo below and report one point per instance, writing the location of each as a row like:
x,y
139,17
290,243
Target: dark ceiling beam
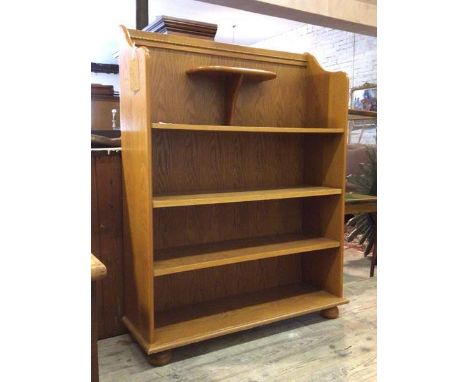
x,y
104,68
142,19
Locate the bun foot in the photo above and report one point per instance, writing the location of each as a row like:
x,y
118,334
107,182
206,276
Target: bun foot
x,y
160,359
331,312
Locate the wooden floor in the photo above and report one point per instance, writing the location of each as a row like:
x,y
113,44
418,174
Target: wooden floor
x,y
308,348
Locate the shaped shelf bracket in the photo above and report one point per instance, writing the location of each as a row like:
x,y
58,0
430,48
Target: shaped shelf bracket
x,y
234,77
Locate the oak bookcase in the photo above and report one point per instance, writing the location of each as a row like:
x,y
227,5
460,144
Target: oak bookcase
x,y
234,170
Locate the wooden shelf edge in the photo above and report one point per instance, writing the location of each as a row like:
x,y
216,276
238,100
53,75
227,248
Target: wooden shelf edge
x,y
163,201
135,333
247,73
266,316
224,256
98,269
246,129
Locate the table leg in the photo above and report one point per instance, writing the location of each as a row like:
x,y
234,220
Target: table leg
x,y
94,351
374,259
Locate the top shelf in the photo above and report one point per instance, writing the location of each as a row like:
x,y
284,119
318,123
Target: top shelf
x,y
251,74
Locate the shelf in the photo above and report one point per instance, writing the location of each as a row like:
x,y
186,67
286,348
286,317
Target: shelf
x,y
251,74
246,129
241,196
206,320
189,258
234,76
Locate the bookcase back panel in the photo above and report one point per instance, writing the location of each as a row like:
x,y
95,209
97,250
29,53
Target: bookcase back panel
x,y
323,270
181,226
198,99
190,162
321,215
213,283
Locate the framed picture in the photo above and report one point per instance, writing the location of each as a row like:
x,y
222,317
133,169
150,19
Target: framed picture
x,y
364,97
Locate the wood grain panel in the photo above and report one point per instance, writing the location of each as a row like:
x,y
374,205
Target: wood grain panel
x,y
186,162
216,70
106,239
157,89
188,258
247,129
189,96
136,157
194,323
327,94
214,283
196,45
164,201
174,227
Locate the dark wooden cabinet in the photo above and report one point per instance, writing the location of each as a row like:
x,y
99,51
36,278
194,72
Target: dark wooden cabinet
x,y
107,239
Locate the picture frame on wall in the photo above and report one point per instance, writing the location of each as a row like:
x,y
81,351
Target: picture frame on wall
x,y
364,97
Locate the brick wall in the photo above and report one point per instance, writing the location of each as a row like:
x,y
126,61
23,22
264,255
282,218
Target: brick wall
x,y
335,50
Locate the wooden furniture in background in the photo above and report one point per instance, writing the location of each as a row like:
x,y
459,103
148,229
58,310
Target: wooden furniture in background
x,y
358,204
106,238
235,213
102,103
184,27
98,272
361,114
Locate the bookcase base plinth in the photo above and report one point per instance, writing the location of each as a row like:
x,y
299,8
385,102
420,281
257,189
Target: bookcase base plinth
x,y
160,359
331,313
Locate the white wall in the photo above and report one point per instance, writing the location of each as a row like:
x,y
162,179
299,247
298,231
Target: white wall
x,y
106,79
335,50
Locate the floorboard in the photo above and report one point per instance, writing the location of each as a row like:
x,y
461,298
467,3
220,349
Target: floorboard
x,y
307,348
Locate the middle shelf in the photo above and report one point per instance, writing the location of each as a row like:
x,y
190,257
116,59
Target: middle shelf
x,y
246,129
161,201
188,258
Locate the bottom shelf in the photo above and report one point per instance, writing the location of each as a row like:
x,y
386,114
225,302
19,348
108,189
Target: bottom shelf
x,y
202,321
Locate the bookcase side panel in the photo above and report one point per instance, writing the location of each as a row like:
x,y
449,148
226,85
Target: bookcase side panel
x,y
328,100
137,173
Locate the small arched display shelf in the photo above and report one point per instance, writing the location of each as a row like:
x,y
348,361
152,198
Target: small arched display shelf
x,y
234,77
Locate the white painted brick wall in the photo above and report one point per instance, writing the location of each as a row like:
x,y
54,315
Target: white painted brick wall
x,y
334,49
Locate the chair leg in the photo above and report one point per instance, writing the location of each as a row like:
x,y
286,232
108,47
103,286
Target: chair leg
x,y
374,259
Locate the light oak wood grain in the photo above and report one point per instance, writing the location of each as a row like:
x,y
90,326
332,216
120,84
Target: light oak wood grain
x,y
228,185
232,85
137,173
195,45
241,196
246,129
195,323
302,349
188,162
213,255
233,79
247,73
